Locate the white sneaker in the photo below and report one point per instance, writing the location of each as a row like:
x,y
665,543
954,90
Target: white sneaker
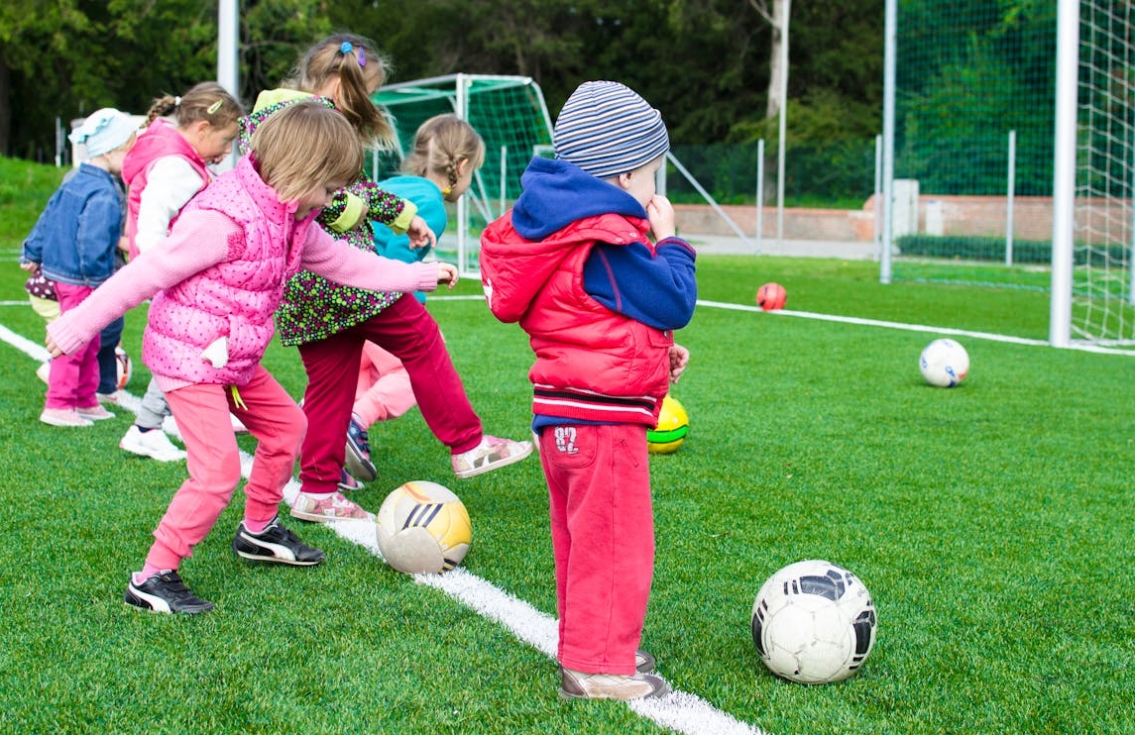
x,y
153,444
492,453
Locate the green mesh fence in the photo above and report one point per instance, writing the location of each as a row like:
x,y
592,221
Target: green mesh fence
x,y
974,133
510,115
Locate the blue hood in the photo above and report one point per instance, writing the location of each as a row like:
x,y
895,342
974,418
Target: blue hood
x,y
557,193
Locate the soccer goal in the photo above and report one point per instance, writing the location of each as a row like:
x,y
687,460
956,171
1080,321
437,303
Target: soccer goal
x,y
1013,155
1093,239
510,114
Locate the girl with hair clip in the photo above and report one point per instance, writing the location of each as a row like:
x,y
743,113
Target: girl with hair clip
x,y
215,283
330,322
446,152
167,166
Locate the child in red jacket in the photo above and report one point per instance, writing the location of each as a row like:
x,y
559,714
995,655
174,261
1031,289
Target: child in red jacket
x,y
575,265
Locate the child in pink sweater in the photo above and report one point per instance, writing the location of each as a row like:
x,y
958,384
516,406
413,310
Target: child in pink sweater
x,y
215,283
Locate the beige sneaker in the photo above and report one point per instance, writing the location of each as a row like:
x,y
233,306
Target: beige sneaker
x,y
578,685
94,413
492,453
332,508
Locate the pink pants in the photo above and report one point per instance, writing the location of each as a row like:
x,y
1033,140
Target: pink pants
x,y
202,414
384,391
406,330
74,378
603,541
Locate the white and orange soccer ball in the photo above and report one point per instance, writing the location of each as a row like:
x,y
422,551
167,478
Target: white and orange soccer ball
x,y
944,363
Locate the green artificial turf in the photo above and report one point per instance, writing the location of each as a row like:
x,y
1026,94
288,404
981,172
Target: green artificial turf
x,y
991,523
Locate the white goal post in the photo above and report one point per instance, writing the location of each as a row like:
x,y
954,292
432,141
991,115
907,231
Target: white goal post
x,y
511,116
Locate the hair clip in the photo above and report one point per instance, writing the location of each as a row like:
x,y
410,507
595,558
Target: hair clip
x,y
362,58
214,107
346,47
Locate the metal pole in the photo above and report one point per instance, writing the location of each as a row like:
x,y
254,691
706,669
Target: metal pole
x,y
504,179
877,220
462,111
781,131
760,191
1010,193
890,38
1064,171
228,64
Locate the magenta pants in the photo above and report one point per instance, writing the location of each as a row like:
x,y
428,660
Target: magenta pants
x,y
602,539
406,330
202,414
74,378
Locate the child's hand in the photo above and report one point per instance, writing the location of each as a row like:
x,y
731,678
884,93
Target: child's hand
x,y
660,212
421,236
447,274
52,348
30,267
679,358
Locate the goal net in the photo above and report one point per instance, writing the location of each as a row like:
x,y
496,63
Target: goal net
x,y
1101,289
509,113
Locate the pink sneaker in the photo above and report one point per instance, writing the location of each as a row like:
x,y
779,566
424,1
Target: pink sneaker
x,y
94,413
332,508
63,417
492,453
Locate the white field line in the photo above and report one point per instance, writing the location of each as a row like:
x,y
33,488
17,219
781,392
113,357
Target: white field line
x,y
678,711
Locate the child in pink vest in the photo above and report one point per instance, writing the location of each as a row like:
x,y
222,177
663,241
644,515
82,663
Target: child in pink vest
x,y
215,283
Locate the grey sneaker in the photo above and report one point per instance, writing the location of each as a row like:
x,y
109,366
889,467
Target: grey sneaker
x,y
644,663
276,544
165,593
578,685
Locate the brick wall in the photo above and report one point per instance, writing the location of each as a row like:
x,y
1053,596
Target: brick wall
x,y
972,216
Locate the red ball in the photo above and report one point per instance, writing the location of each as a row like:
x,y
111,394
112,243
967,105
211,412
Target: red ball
x,y
771,297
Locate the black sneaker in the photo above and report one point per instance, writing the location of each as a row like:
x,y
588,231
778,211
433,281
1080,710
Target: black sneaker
x,y
165,593
276,544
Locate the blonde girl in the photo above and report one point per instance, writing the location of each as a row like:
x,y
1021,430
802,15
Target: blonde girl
x,y
215,283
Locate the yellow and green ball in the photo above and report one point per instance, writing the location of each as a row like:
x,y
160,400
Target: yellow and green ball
x,y
673,425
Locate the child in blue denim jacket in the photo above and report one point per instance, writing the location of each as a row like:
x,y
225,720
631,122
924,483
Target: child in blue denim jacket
x,y
73,244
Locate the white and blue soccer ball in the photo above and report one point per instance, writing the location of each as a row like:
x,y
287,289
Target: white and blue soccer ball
x,y
813,622
944,363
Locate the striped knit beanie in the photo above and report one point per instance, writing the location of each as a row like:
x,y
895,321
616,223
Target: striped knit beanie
x,y
606,129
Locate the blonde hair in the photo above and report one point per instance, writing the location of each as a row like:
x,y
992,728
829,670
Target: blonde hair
x,y
206,101
441,143
356,69
306,145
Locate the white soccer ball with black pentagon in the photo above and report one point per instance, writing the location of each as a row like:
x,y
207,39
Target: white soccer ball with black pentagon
x,y
423,528
813,622
944,363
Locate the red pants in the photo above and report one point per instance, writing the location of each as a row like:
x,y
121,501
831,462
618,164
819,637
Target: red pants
x,y
74,379
406,330
603,541
202,414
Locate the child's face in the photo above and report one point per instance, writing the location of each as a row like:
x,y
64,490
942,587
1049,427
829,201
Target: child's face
x,y
640,182
317,197
212,143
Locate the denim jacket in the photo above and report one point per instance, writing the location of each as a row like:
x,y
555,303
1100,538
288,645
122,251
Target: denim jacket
x,y
76,236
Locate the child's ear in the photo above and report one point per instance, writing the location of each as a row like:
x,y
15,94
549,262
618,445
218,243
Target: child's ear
x,y
623,181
